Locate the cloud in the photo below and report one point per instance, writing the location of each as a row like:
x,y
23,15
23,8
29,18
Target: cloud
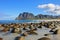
x,y
50,8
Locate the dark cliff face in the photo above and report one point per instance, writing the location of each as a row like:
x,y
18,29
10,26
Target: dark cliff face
x,y
44,16
27,15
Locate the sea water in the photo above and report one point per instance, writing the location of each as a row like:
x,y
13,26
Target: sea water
x,y
18,21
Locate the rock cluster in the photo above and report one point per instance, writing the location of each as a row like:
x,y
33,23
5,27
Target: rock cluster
x,y
30,29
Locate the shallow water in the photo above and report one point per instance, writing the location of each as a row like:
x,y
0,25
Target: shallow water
x,y
18,21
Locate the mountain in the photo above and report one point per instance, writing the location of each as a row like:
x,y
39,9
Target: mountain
x,y
27,15
45,16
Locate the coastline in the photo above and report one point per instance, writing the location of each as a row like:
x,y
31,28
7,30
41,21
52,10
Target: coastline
x,y
32,33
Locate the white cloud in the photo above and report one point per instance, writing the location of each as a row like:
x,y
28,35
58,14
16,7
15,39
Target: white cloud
x,y
50,8
42,6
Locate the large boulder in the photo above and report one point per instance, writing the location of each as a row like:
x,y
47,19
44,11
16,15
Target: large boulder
x,y
44,38
20,38
58,31
6,29
1,38
32,32
24,34
16,30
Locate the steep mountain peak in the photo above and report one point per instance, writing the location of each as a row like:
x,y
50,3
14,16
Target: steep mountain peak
x,y
25,15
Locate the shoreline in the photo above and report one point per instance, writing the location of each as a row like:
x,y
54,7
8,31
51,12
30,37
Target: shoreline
x,y
28,31
27,21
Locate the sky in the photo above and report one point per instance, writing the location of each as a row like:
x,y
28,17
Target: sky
x,y
10,9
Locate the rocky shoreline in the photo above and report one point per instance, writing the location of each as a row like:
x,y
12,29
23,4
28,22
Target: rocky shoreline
x,y
26,29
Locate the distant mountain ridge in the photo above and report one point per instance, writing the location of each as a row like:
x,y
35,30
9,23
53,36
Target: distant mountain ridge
x,y
27,15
